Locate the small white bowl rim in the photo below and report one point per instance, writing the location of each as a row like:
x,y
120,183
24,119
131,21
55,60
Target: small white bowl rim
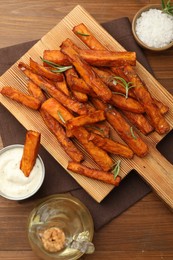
x,y
4,149
138,13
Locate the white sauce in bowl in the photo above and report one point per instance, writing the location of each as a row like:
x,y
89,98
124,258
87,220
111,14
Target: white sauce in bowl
x,y
13,183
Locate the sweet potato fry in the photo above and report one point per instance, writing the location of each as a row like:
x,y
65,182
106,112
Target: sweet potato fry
x,y
30,152
144,97
57,111
62,85
81,97
70,75
126,132
128,104
51,89
99,155
60,134
162,107
139,121
55,56
90,118
22,66
20,97
123,129
69,43
105,58
80,85
36,91
104,176
87,37
87,74
111,146
98,104
42,71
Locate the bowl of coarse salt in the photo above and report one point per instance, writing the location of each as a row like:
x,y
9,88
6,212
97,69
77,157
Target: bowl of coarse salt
x,y
152,28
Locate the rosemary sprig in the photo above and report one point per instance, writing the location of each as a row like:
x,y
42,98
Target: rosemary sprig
x,y
132,133
61,117
119,93
167,7
83,34
58,68
116,169
95,128
124,83
61,69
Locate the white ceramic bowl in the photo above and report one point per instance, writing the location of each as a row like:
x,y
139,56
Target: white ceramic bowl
x,y
139,41
13,184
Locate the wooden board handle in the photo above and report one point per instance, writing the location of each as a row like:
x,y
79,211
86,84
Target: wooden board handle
x,y
158,172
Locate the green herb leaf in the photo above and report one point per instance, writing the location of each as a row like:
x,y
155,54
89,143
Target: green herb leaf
x,y
83,34
52,64
124,83
119,93
95,128
61,69
167,7
163,4
116,169
61,117
58,68
132,133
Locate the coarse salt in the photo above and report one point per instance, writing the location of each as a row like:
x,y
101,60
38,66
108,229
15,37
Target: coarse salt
x,y
155,28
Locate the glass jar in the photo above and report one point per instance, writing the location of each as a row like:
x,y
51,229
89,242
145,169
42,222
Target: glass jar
x,y
65,213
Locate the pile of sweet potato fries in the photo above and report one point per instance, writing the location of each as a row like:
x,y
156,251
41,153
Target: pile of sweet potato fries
x,y
83,93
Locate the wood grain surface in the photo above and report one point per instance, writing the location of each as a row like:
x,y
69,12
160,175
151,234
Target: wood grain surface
x,y
144,231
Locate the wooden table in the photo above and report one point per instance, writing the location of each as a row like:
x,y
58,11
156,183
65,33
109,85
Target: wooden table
x,y
144,231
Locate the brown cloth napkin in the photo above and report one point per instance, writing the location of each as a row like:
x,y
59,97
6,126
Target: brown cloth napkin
x,y
132,187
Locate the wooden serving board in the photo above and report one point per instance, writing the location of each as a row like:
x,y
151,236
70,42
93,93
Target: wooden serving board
x,y
154,168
